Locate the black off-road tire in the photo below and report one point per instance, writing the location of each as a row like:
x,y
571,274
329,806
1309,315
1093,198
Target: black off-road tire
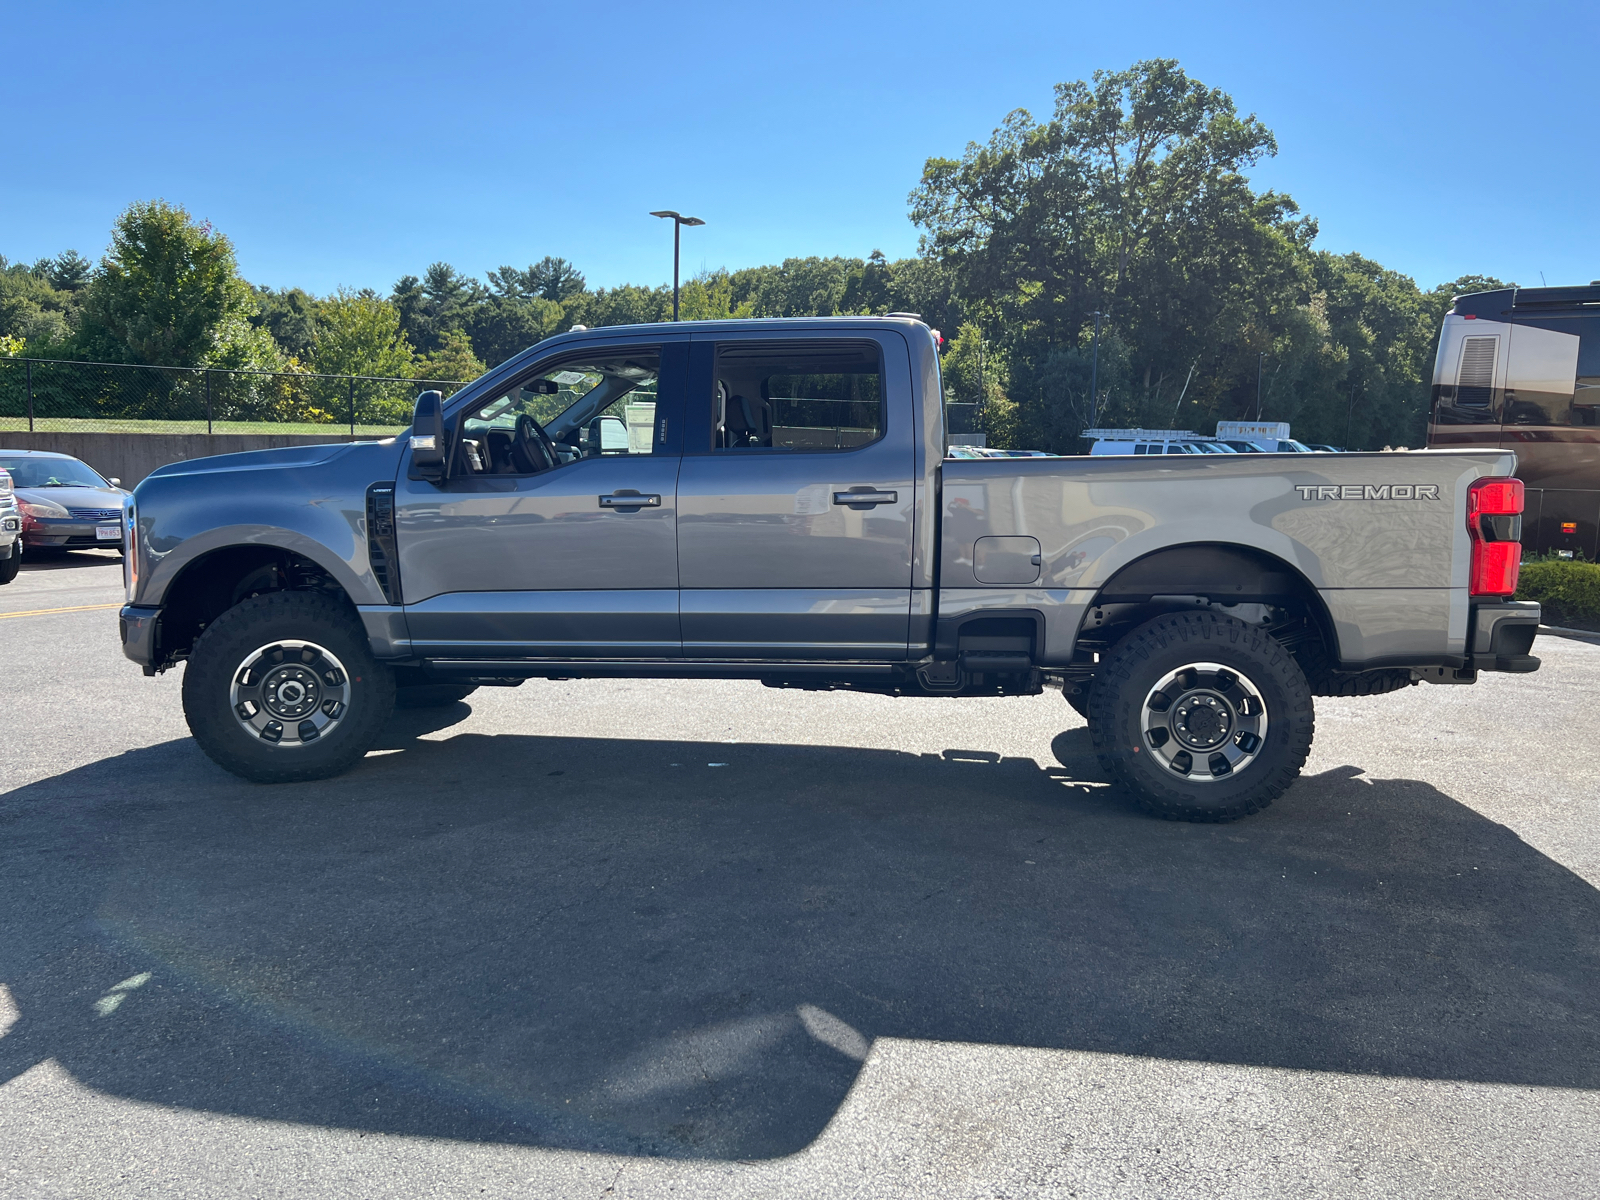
x,y
10,566
228,642
1142,659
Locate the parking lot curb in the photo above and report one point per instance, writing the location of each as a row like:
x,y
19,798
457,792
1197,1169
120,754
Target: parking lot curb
x,y
1577,635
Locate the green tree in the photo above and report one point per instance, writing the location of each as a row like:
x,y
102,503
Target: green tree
x,y
976,373
34,312
453,361
867,288
709,297
290,316
167,292
360,335
1131,201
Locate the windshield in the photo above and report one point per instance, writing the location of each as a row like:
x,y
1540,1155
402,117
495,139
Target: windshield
x,y
51,472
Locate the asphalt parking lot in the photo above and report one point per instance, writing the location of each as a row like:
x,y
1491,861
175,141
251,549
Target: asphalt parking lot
x,y
622,939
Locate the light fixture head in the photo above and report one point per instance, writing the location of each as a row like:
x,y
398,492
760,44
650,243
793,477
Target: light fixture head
x,y
667,213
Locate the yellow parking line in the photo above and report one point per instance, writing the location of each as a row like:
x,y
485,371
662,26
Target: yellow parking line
x,y
45,612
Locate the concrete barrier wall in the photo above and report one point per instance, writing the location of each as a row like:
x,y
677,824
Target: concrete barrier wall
x,y
132,456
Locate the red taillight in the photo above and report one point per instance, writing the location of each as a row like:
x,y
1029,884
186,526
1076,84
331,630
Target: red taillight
x,y
1494,519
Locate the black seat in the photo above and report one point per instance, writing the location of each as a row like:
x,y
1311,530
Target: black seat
x,y
749,422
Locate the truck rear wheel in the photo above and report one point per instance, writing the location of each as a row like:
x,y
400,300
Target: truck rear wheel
x,y
1201,716
283,688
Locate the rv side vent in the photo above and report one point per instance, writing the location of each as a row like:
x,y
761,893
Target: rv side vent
x,y
1475,383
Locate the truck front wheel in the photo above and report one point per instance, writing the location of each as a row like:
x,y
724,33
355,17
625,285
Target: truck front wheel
x,y
283,688
1201,716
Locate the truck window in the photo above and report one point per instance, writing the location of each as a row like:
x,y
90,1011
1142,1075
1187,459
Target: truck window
x,y
797,396
600,404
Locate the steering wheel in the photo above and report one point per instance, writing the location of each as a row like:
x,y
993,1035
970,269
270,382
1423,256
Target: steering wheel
x,y
535,444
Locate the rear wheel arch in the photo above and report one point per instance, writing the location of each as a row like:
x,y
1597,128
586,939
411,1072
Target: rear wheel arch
x,y
1225,574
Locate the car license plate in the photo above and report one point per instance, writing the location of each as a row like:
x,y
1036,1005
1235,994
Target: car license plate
x,y
108,533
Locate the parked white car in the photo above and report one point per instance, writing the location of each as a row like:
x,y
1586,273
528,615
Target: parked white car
x,y
10,529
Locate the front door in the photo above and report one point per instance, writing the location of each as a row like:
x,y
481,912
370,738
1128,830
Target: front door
x,y
555,535
796,498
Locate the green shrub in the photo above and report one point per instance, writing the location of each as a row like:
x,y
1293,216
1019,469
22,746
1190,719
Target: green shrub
x,y
1568,591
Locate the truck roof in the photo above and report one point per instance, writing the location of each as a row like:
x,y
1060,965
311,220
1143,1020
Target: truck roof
x,y
747,324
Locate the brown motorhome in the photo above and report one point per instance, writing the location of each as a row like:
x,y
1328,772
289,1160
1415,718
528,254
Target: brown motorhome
x,y
1519,369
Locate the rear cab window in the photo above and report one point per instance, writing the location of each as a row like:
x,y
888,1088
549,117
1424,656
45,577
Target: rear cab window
x,y
797,396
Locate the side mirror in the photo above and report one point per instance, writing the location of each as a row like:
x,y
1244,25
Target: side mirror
x,y
428,438
114,481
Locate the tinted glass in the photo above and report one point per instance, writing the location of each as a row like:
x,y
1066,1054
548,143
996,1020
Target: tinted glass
x,y
1586,392
600,404
1547,359
797,396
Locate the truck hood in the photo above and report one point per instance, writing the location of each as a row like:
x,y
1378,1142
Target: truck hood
x,y
259,460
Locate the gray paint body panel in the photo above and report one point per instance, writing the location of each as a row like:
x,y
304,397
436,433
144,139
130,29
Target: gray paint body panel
x,y
612,622
769,567
796,623
1367,558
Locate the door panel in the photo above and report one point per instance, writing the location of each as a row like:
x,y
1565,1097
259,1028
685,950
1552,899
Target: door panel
x,y
775,559
553,563
547,624
797,623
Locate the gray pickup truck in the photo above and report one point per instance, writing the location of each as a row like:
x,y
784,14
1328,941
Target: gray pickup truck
x,y
771,500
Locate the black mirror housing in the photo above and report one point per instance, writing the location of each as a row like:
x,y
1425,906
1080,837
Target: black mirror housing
x,y
428,438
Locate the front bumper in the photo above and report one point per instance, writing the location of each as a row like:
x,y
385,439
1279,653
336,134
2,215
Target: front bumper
x,y
1502,634
69,535
138,627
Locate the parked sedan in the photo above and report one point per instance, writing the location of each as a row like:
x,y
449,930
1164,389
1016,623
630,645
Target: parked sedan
x,y
66,504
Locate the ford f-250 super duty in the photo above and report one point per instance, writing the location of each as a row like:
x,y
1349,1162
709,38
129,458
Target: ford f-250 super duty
x,y
771,500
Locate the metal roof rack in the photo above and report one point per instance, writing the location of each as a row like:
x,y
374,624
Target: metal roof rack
x,y
1146,435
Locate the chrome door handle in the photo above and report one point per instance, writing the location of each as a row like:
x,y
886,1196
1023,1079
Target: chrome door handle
x,y
630,500
865,497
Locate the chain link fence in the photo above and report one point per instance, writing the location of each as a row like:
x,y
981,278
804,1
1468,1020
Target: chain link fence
x,y
55,396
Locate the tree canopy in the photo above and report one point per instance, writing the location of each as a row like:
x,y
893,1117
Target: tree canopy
x,y
1131,200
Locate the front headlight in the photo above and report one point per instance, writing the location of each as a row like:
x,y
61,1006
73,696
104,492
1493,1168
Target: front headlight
x,y
43,510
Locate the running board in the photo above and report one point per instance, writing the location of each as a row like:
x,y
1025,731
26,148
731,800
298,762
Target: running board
x,y
471,669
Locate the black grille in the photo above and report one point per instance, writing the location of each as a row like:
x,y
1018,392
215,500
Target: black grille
x,y
95,514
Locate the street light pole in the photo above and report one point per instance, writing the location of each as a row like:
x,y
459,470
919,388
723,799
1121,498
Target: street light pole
x,y
678,222
1260,362
1094,373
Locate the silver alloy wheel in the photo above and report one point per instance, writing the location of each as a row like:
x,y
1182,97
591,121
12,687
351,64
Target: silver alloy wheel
x,y
290,693
1204,721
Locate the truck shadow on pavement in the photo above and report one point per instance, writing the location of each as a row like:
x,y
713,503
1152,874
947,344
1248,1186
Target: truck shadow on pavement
x,y
624,946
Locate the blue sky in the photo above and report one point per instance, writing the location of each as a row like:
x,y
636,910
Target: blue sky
x,y
349,144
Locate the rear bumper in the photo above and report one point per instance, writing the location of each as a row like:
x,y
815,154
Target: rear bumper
x,y
1501,636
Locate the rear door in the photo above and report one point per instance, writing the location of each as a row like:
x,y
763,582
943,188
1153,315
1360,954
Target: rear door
x,y
797,498
525,553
